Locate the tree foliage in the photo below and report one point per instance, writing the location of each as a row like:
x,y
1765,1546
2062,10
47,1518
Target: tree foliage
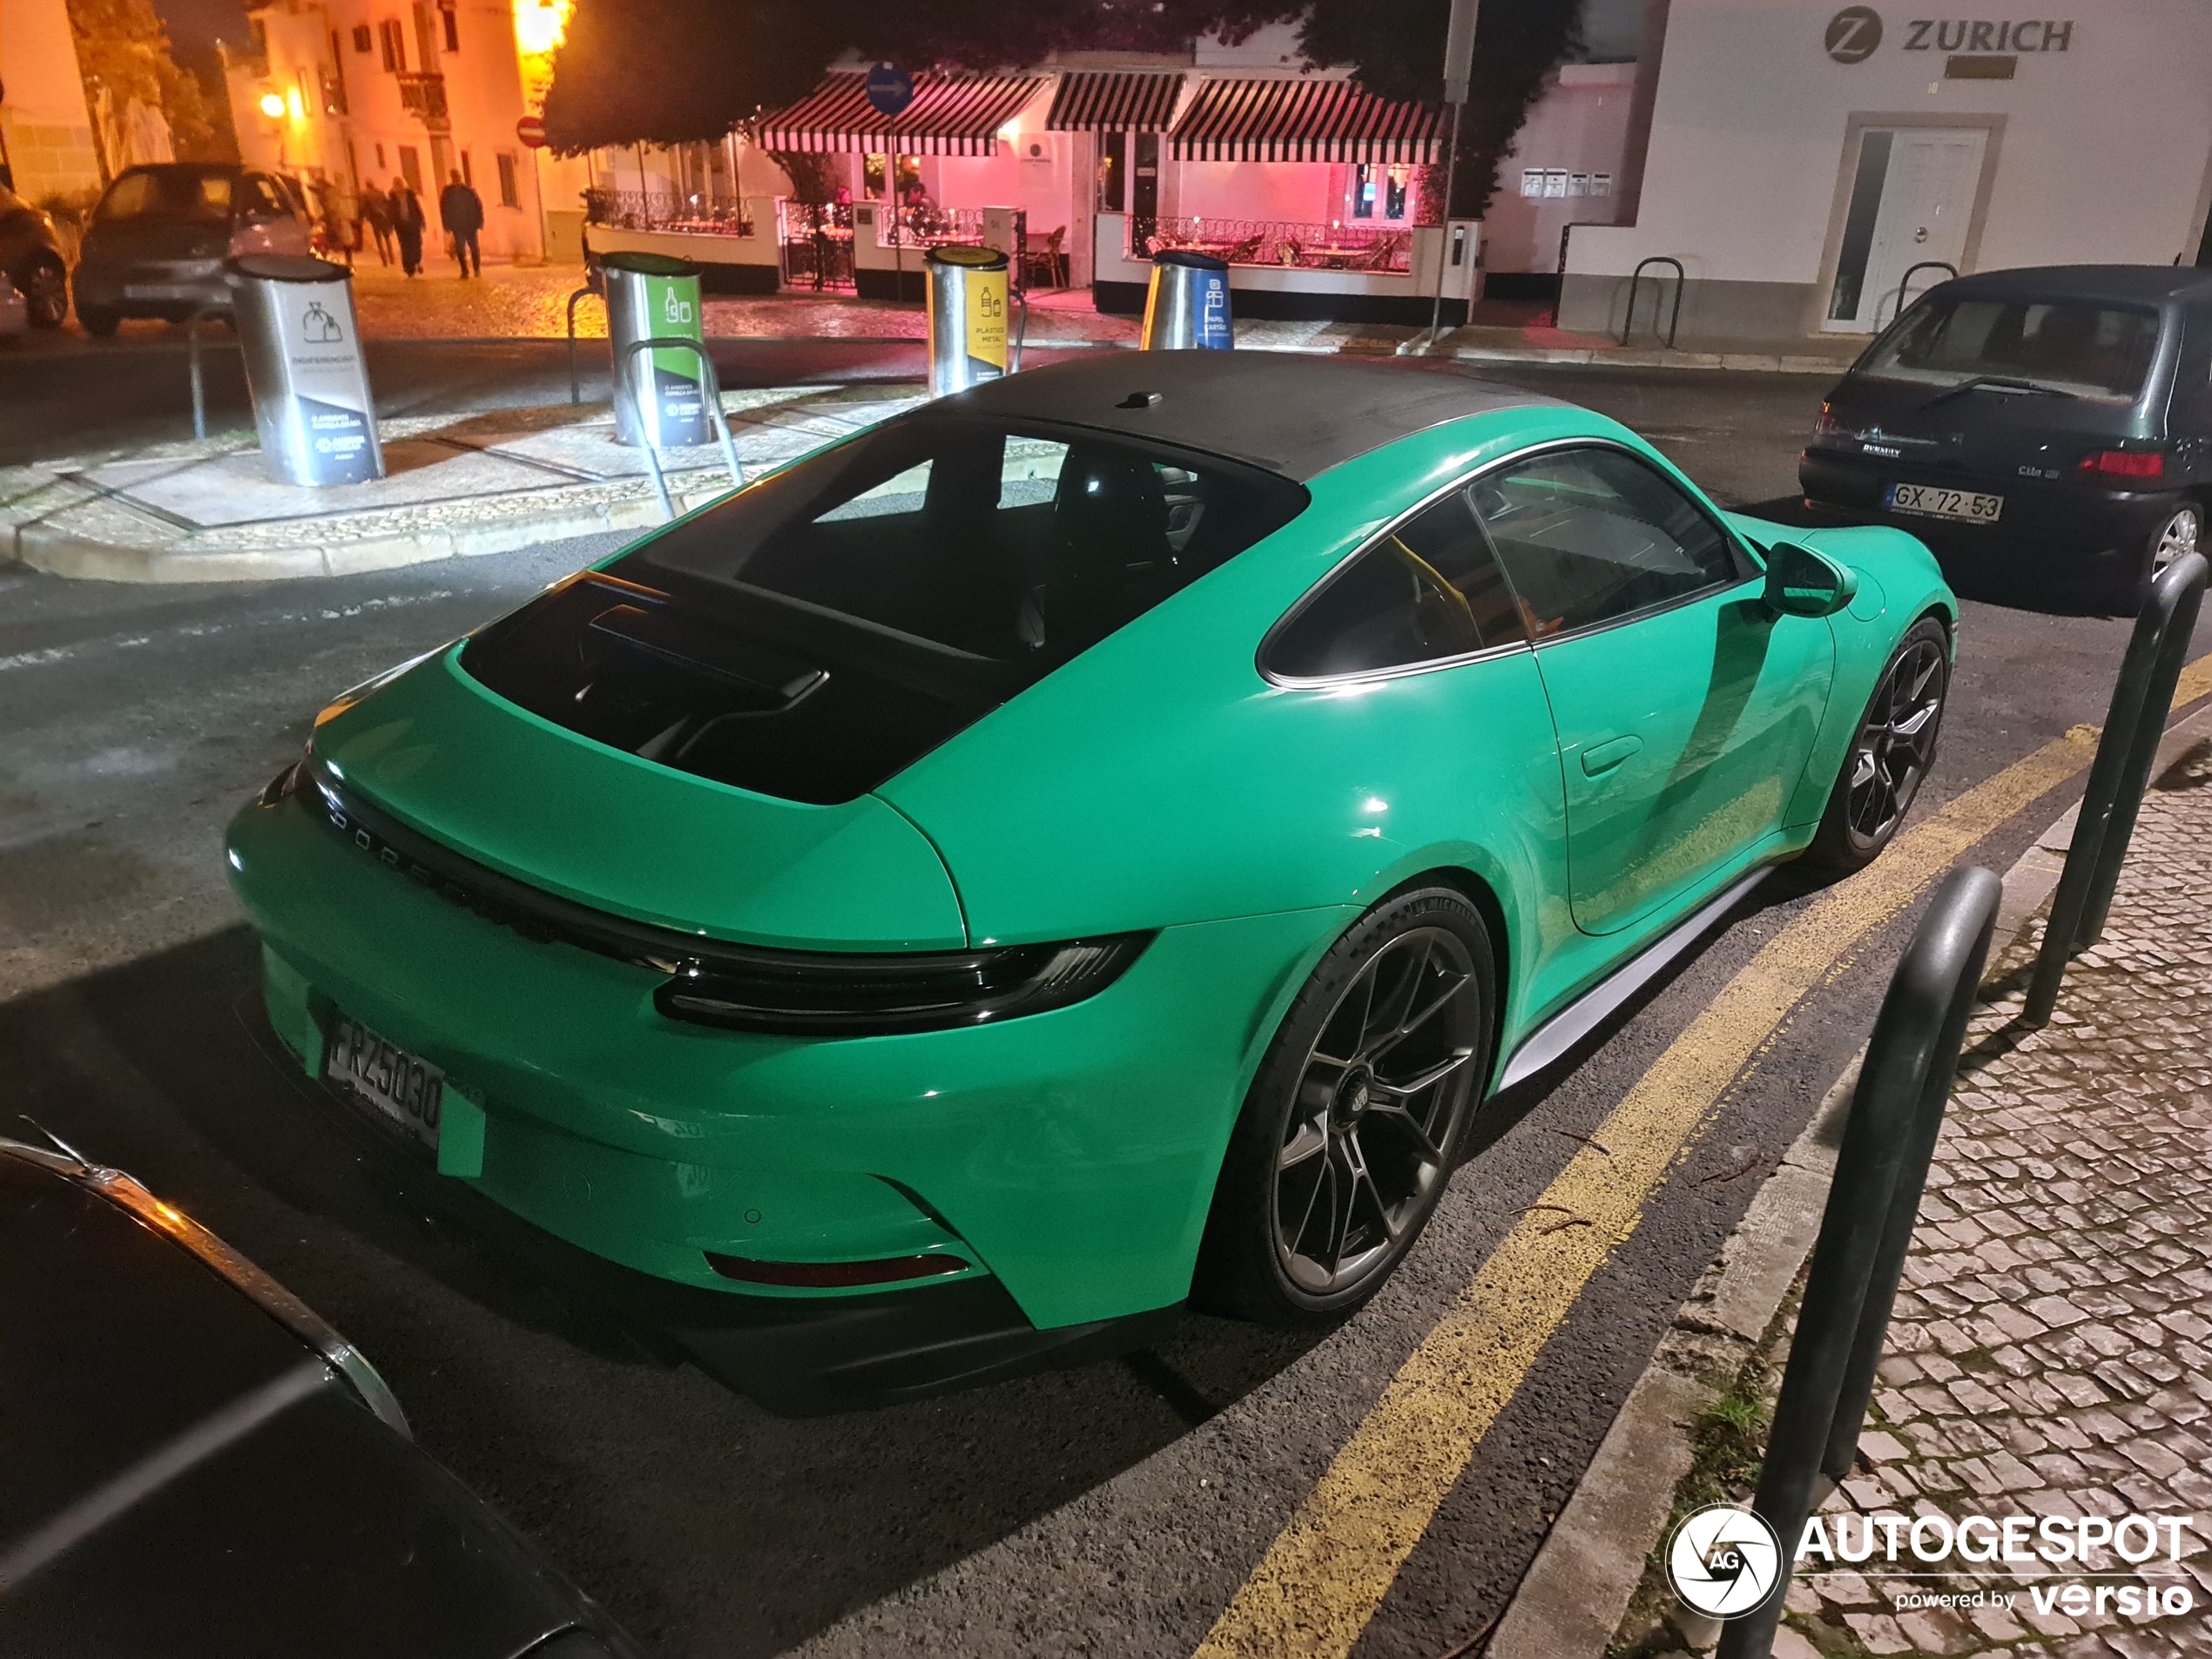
x,y
122,46
672,72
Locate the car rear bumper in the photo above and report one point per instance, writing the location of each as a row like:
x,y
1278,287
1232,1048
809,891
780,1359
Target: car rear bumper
x,y
1066,1158
2066,522
152,289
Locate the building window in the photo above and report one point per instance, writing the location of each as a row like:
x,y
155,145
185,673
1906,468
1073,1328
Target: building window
x,y
1363,191
334,80
509,196
451,21
467,173
379,157
1394,193
360,38
395,46
411,168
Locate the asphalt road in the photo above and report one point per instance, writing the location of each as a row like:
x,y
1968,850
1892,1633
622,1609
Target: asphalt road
x,y
1112,1510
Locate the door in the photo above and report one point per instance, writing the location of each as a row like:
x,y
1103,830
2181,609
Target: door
x,y
1144,177
1911,195
1685,707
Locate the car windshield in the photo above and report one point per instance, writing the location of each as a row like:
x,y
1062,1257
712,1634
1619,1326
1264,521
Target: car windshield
x,y
167,194
2077,346
979,537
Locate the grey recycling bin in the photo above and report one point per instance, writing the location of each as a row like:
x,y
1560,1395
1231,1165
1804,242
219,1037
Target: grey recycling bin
x,y
1187,305
312,404
651,296
967,292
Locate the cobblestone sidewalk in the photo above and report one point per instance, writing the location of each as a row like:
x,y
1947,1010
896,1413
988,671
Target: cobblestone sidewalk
x,y
2051,1354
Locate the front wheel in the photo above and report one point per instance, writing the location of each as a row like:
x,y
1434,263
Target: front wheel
x,y
1348,1136
45,292
1889,758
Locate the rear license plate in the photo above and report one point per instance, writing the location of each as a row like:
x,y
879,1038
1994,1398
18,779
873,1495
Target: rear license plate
x,y
1944,503
159,291
401,1090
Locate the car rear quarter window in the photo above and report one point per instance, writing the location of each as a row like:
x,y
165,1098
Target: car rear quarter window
x,y
1589,536
1428,591
166,194
2080,348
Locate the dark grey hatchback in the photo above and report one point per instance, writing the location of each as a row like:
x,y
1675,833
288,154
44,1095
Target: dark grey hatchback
x,y
2055,422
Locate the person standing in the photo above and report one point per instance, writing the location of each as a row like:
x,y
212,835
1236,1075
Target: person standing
x,y
342,219
376,213
461,211
407,226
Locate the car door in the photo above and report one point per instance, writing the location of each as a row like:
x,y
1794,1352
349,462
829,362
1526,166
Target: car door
x,y
1685,706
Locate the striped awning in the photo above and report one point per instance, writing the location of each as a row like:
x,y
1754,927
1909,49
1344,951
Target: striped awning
x,y
951,115
1304,120
1089,102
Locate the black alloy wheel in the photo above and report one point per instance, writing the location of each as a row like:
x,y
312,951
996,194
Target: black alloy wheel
x,y
1890,756
1350,1129
45,292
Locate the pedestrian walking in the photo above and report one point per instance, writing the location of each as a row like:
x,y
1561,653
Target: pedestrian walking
x,y
462,211
376,213
341,220
407,226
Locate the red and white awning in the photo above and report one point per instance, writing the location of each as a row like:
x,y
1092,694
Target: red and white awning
x,y
1090,101
1304,120
951,115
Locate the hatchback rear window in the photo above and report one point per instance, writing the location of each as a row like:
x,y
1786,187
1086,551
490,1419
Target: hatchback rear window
x,y
2075,346
168,195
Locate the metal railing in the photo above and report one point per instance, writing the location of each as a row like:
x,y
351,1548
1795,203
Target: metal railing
x,y
1866,1229
206,314
814,243
1291,243
710,390
926,225
2134,725
575,387
666,209
424,95
1904,283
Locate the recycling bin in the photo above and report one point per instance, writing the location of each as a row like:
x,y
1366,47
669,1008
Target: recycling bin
x,y
312,405
966,291
1186,308
651,296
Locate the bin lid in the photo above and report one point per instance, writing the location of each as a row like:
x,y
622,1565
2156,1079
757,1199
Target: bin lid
x,y
660,264
978,259
288,268
1184,256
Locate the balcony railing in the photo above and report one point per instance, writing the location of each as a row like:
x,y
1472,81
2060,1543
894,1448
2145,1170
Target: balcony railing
x,y
1276,241
664,210
424,95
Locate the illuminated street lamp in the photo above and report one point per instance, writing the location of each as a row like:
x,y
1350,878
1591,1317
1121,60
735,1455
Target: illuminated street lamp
x,y
271,105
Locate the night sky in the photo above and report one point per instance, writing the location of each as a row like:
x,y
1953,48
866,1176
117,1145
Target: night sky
x,y
195,26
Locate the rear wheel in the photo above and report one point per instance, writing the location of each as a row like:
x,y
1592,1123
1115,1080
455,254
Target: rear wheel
x,y
1348,1136
1890,756
2179,535
45,292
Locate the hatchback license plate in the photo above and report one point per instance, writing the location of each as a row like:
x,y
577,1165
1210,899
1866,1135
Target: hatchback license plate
x,y
159,291
402,1090
1944,503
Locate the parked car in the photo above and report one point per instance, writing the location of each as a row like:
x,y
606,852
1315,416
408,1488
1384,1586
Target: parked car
x,y
15,312
31,257
198,1467
2056,422
158,237
1099,836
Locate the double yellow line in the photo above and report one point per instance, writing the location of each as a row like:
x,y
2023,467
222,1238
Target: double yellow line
x,y
1329,1569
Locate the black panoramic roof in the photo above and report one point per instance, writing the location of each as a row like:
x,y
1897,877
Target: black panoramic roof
x,y
1292,414
2121,284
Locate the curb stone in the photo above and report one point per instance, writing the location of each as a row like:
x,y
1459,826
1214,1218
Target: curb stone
x,y
1571,1603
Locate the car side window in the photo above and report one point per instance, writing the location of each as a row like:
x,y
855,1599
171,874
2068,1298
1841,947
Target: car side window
x,y
263,199
1589,536
1427,591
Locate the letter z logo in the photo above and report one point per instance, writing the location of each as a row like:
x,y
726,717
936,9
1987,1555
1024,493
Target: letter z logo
x,y
1853,33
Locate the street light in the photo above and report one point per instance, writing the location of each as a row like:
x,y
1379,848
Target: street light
x,y
271,105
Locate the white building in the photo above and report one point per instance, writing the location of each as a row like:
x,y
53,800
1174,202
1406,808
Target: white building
x,y
46,140
1803,160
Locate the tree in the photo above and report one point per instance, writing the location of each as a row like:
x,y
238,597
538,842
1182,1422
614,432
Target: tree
x,y
121,47
1395,50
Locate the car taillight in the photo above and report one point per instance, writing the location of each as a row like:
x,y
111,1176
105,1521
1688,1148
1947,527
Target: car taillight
x,y
2124,463
1825,426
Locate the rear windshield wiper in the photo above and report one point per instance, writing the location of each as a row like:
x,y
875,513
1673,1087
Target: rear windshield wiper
x,y
1995,383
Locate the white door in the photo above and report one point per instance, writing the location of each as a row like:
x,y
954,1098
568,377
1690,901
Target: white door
x,y
1911,197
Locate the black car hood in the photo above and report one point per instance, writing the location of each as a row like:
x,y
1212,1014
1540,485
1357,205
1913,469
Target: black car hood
x,y
182,1476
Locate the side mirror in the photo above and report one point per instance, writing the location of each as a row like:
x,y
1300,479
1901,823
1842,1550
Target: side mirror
x,y
1801,582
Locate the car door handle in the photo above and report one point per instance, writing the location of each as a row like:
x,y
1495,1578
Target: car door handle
x,y
1603,756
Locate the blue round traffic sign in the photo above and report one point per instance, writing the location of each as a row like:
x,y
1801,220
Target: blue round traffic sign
x,y
890,89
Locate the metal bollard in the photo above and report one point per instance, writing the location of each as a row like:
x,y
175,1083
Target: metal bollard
x,y
576,391
206,314
1186,306
1896,1115
965,288
711,387
2135,724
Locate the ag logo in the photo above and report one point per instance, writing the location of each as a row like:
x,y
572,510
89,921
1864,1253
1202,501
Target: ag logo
x,y
1723,1561
1853,34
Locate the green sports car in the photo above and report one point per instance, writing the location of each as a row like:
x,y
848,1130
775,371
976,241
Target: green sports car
x,y
1085,845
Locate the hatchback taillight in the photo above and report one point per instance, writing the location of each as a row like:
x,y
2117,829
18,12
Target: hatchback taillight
x,y
2124,463
1825,426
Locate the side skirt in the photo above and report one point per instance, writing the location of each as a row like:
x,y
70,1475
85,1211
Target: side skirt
x,y
1586,1012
